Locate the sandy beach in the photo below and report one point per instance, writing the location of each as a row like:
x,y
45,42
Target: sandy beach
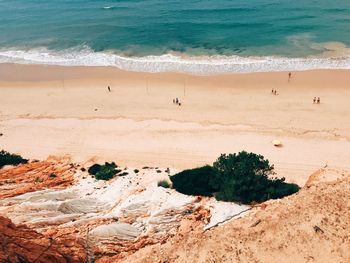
x,y
51,110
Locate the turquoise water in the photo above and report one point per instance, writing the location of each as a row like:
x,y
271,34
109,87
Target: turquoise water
x,y
200,32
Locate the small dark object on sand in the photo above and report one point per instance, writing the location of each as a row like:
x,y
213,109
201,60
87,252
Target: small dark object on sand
x,y
95,109
256,223
136,171
159,171
1,134
318,230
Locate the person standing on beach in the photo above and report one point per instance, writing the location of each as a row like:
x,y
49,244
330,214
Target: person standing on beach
x,y
109,88
318,100
289,76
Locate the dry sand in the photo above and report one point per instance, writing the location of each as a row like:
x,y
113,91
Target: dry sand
x,y
47,110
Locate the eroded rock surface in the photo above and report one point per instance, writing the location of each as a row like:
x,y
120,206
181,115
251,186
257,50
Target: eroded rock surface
x,y
113,218
71,217
54,172
22,244
310,226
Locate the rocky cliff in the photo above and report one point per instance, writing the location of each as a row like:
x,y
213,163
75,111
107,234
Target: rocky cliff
x,y
53,211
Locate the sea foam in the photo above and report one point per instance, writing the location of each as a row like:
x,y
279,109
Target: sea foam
x,y
199,65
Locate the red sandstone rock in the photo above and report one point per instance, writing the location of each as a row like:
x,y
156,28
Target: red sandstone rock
x,y
21,244
24,178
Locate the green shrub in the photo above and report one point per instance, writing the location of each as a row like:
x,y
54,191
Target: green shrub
x,y
164,183
10,159
242,177
198,181
94,169
104,172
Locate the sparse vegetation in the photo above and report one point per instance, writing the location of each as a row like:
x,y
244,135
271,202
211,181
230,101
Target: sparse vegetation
x,y
38,180
52,175
7,158
123,174
104,172
164,183
242,177
136,171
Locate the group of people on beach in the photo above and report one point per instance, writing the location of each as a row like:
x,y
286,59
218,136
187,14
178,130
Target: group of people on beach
x,y
176,101
318,100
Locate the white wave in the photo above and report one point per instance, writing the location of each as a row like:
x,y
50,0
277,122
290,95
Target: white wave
x,y
204,65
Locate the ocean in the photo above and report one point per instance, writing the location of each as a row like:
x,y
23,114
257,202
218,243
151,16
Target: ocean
x,y
199,36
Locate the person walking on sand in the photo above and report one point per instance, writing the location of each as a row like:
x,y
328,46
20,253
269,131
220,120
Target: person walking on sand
x,y
318,100
314,99
289,76
272,91
109,88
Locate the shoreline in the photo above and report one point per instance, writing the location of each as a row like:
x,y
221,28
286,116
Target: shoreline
x,y
335,56
52,110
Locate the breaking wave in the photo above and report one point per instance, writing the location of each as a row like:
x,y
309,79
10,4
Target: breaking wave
x,y
199,65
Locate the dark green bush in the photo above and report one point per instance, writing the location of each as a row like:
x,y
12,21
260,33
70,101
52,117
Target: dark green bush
x,y
198,181
7,158
104,172
164,183
94,169
242,177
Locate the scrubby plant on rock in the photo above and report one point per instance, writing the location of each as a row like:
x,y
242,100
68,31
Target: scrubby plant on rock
x,y
199,181
104,172
7,158
163,183
94,169
52,175
242,177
